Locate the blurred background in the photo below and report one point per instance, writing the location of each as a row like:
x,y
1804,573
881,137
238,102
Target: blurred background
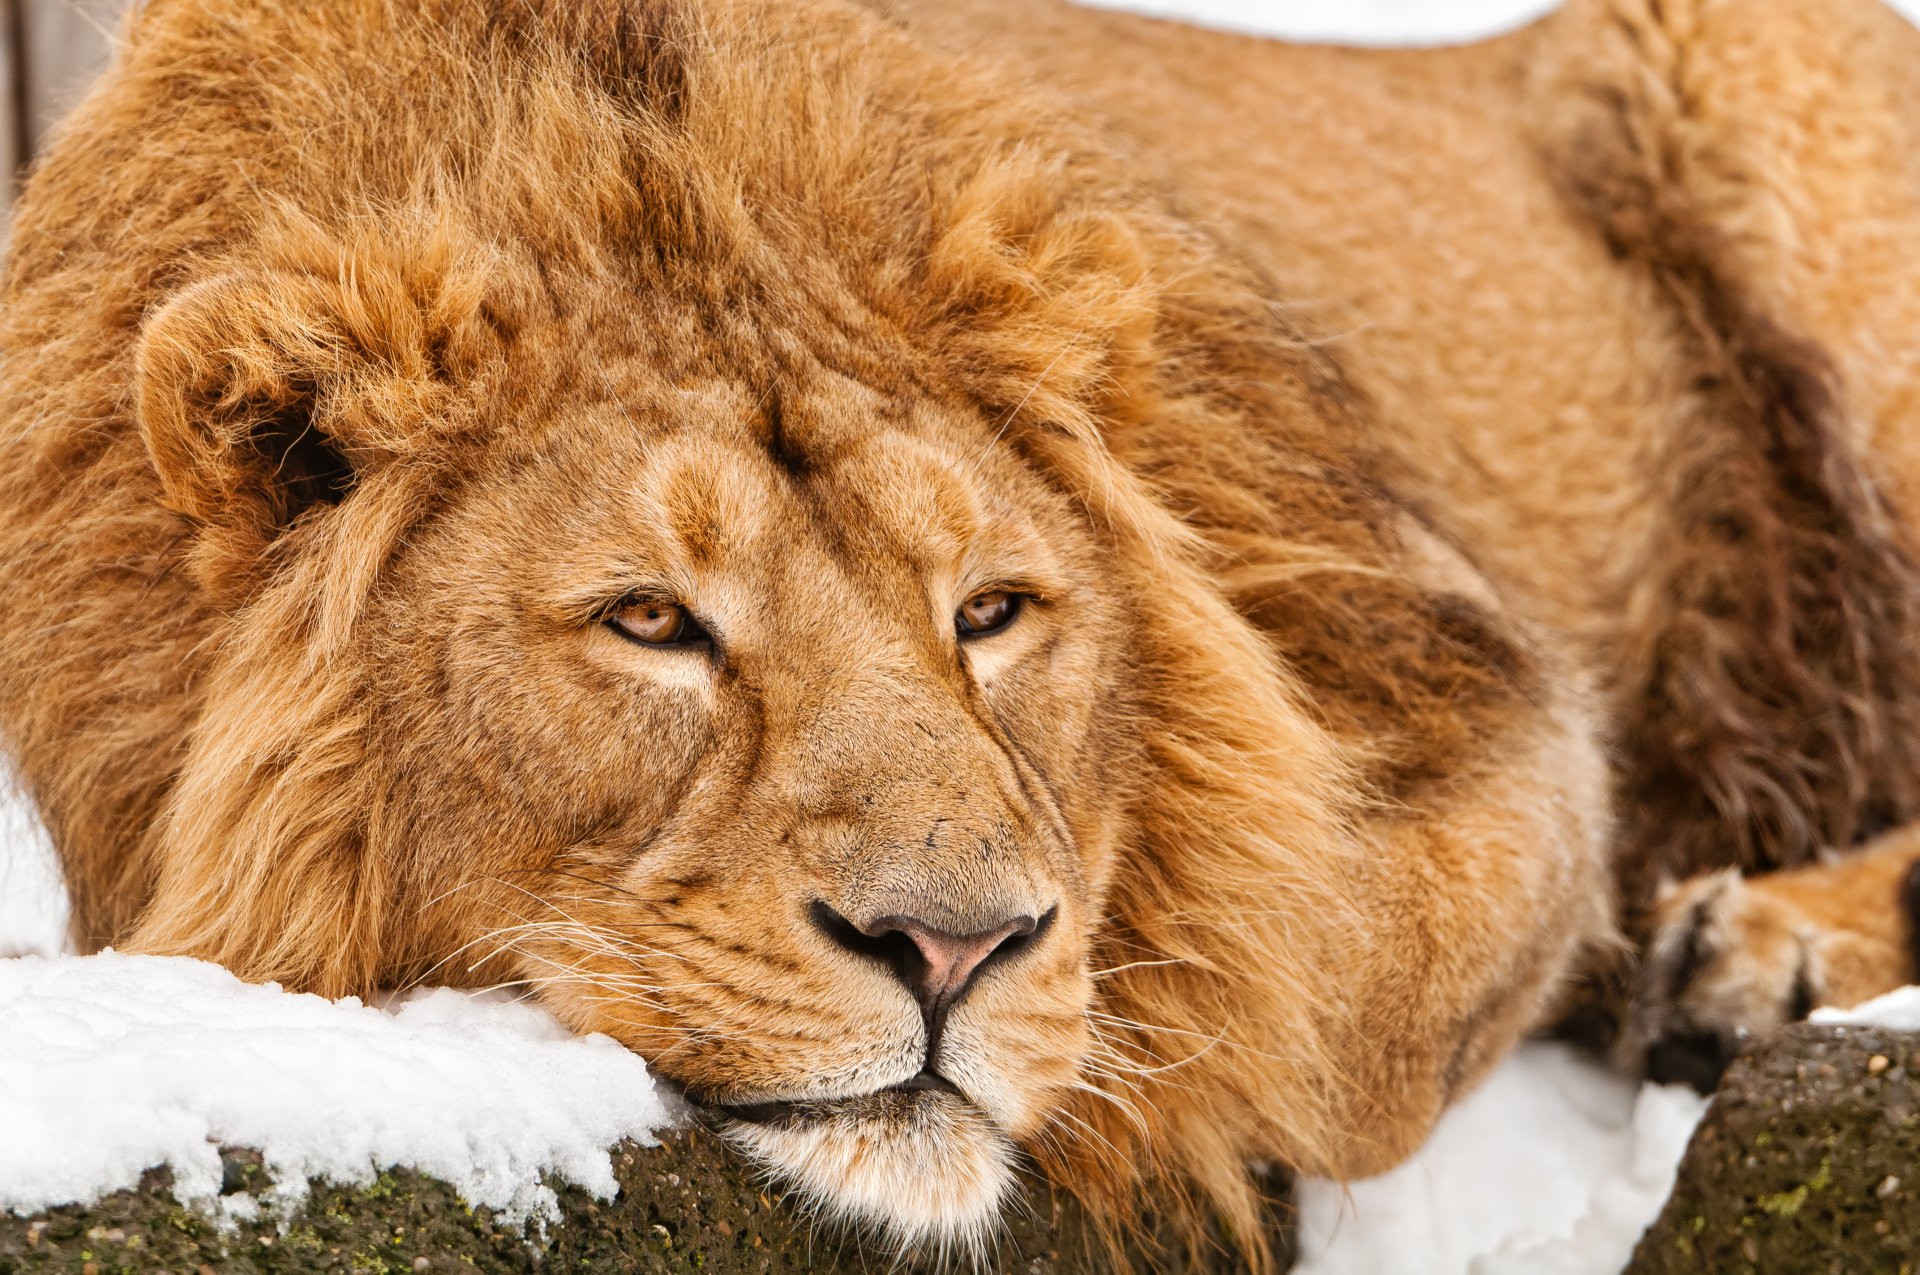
x,y
49,51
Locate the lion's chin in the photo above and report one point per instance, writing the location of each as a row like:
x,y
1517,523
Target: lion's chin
x,y
926,1169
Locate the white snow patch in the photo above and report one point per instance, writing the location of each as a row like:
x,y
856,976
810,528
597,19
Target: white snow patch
x,y
1372,22
1899,1010
111,1064
1379,22
1553,1166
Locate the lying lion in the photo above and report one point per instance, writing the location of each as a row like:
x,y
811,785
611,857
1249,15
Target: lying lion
x,y
988,578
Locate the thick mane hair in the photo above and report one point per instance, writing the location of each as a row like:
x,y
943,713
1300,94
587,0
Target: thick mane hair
x,y
1766,705
422,194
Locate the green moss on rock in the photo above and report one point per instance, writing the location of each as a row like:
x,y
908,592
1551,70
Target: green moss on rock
x,y
1808,1161
687,1205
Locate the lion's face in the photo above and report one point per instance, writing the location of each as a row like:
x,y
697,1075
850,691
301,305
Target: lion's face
x,y
761,730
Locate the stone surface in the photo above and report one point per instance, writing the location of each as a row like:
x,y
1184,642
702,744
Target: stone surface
x,y
688,1205
1808,1161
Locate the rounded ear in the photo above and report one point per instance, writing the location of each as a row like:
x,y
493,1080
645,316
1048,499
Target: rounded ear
x,y
265,394
226,410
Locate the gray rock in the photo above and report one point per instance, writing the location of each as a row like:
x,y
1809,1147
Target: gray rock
x,y
689,1205
1807,1161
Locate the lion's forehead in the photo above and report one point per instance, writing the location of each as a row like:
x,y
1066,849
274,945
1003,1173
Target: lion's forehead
x,y
716,492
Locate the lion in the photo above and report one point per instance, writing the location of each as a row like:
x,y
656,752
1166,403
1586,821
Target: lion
x,y
986,583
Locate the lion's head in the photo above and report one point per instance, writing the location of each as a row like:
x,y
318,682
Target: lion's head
x,y
680,535
764,717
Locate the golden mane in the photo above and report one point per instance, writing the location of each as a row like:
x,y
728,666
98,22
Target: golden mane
x,y
1057,296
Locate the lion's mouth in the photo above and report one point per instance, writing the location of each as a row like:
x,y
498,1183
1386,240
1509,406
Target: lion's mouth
x,y
803,1110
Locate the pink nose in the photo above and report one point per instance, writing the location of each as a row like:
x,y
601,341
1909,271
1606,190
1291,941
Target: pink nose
x,y
937,965
949,961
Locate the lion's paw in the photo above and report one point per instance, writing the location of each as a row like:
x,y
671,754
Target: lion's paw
x,y
1730,961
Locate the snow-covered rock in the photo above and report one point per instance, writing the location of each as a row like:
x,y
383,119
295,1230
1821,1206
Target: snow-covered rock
x,y
111,1064
1806,1160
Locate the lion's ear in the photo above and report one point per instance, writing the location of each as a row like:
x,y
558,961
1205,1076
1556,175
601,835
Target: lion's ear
x,y
266,394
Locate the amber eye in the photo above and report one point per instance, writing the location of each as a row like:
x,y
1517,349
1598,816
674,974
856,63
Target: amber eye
x,y
653,622
986,612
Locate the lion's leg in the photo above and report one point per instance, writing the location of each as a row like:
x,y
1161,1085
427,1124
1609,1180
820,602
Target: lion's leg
x,y
1484,878
1496,894
1732,959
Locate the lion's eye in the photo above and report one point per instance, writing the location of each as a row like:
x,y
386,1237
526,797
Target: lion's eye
x,y
986,612
652,622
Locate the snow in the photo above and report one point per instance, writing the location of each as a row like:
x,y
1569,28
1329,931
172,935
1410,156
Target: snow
x,y
33,906
1899,1010
1379,22
1374,22
1553,1166
112,1064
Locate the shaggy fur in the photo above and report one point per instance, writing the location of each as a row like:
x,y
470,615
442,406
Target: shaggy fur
x,y
1434,480
1772,691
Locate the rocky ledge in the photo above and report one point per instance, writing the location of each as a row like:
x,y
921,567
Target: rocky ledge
x,y
686,1205
1808,1161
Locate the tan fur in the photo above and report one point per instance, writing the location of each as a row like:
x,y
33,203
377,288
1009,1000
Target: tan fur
x,y
1734,959
1389,442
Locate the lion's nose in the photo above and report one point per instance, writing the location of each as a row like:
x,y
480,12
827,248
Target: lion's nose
x,y
936,965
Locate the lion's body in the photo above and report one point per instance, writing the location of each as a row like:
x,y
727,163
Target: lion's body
x,y
1534,257
1448,487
